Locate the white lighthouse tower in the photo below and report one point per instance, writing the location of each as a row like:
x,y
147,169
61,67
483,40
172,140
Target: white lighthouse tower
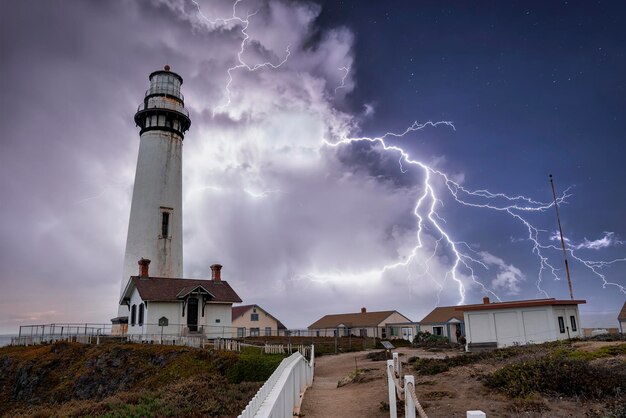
x,y
155,229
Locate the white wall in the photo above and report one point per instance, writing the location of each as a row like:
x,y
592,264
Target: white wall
x,y
520,325
158,183
212,313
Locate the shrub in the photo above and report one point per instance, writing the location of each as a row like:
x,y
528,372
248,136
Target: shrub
x,y
559,375
430,366
253,367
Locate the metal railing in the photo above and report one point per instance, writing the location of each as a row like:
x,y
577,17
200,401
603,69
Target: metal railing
x,y
165,89
163,103
282,392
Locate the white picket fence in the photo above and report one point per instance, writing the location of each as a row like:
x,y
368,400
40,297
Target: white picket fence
x,y
283,391
407,393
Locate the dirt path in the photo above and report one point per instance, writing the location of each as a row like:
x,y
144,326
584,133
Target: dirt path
x,y
449,394
324,399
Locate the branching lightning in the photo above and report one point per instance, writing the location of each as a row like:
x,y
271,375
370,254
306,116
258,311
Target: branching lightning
x,y
342,85
244,23
427,210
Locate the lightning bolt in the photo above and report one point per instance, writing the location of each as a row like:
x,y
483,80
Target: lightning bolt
x,y
428,218
464,262
244,23
342,85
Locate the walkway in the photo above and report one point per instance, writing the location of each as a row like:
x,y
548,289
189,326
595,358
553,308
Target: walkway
x,y
324,399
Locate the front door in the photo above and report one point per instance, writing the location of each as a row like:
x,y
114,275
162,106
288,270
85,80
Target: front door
x,y
407,333
192,314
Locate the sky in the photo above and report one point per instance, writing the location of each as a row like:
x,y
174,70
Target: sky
x,y
342,154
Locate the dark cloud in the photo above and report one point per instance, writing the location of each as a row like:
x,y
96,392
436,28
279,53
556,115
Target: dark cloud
x,y
292,220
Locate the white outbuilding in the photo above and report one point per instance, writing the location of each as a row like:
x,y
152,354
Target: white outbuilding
x,y
502,324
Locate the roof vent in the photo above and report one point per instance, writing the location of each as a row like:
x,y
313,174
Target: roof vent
x,y
363,310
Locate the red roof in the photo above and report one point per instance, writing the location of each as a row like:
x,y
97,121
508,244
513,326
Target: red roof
x,y
164,289
519,304
351,320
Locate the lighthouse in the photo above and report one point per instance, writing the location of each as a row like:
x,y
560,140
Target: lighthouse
x,y
155,228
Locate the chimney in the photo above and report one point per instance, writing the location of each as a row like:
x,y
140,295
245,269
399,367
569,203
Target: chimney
x,y
363,310
143,267
216,272
486,300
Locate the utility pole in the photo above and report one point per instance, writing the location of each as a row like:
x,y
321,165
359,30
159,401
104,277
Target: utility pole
x,y
558,218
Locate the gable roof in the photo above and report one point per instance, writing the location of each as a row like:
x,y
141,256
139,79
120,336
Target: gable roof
x,y
351,320
518,304
442,314
165,289
622,314
238,311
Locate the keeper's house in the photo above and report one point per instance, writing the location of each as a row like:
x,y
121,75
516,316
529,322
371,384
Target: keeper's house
x,y
254,321
382,324
190,307
502,324
444,321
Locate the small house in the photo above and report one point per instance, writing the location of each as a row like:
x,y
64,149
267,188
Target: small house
x,y
363,324
254,321
444,321
178,307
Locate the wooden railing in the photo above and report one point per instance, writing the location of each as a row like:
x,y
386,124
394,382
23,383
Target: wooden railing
x,y
407,393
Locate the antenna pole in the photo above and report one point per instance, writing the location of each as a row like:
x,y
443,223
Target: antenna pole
x,y
558,218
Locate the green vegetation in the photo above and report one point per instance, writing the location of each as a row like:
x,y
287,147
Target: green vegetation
x,y
431,341
564,371
253,366
128,380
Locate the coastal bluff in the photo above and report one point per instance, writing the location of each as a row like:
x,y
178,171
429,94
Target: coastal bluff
x,y
121,379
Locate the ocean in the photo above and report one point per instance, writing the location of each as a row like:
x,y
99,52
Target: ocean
x,y
5,339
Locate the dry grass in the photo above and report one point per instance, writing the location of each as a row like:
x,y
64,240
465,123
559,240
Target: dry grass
x,y
70,379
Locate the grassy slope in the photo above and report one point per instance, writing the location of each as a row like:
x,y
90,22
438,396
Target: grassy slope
x,y
69,379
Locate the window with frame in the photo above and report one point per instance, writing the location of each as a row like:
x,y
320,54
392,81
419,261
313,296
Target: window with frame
x,y
572,320
141,312
133,315
268,331
561,325
254,317
437,330
240,332
254,332
165,224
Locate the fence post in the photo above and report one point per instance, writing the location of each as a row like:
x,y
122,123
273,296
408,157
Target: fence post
x,y
409,405
391,386
396,364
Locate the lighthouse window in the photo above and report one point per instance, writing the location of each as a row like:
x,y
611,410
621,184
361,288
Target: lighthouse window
x,y
165,224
